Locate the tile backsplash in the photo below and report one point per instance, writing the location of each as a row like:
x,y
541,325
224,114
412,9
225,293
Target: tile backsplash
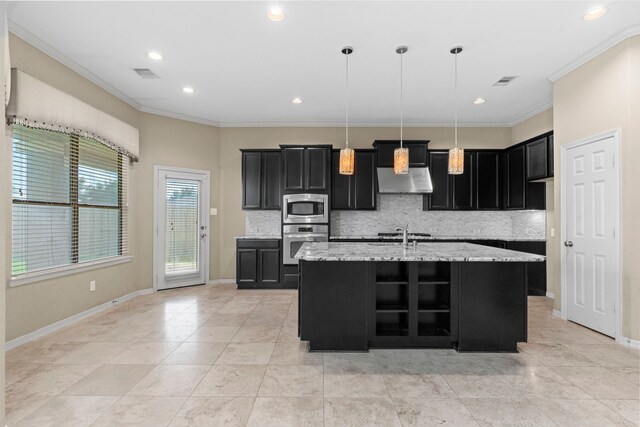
x,y
396,210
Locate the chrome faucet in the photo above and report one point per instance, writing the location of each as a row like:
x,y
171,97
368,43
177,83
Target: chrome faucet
x,y
405,233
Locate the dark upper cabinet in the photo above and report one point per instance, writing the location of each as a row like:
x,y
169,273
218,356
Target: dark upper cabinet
x,y
514,178
537,163
258,263
251,179
306,168
357,191
418,153
293,160
464,197
550,155
271,180
442,196
261,179
488,180
365,180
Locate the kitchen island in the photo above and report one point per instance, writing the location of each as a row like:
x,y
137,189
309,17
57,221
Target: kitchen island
x,y
356,296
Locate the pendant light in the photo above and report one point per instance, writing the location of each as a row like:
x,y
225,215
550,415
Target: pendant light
x,y
456,155
347,156
401,155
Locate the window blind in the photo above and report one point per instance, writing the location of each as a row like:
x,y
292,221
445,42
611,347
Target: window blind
x,y
182,234
69,200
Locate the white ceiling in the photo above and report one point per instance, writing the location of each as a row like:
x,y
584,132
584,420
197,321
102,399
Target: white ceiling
x,y
246,69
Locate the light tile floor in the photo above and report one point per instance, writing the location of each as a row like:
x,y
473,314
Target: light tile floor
x,y
214,355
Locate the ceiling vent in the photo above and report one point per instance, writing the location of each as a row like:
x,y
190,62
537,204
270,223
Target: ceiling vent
x,y
505,80
145,73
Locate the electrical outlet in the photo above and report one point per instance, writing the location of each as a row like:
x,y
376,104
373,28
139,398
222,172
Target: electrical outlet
x,y
553,232
214,211
92,285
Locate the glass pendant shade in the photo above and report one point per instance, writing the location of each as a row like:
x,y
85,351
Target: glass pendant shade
x,y
347,160
456,161
401,161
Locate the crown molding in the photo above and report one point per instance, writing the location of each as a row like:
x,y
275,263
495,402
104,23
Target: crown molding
x,y
531,113
592,53
358,125
66,61
178,116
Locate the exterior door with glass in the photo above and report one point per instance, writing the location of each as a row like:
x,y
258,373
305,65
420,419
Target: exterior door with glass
x,y
181,228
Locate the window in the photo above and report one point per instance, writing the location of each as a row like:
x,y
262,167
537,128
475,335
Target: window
x,y
69,200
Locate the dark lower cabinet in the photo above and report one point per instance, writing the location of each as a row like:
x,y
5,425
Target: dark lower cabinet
x,y
258,263
357,191
536,271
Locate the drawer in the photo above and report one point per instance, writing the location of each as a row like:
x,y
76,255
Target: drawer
x,y
258,243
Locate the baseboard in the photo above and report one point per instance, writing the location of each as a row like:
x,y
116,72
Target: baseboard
x,y
16,342
551,295
557,313
221,281
628,342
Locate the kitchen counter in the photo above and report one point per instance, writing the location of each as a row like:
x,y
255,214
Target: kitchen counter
x,y
431,252
258,237
438,237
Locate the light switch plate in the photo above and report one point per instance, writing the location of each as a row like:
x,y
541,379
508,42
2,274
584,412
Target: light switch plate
x,y
214,211
553,232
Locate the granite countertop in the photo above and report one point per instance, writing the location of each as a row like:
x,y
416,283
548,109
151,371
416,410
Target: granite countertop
x,y
258,237
431,251
439,237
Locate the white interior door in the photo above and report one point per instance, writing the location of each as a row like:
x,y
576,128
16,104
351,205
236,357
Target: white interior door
x,y
590,235
181,228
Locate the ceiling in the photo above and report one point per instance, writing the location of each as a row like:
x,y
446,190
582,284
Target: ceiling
x,y
245,69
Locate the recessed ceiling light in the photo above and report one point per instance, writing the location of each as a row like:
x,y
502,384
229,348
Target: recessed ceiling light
x,y
297,100
276,14
594,14
478,101
154,55
188,89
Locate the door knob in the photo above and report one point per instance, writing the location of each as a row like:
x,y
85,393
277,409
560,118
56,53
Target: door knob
x,y
568,243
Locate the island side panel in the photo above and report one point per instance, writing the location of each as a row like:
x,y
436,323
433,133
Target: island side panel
x,y
333,305
492,306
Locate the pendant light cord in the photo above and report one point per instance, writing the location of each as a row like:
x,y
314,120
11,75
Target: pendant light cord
x,y
455,100
347,112
401,100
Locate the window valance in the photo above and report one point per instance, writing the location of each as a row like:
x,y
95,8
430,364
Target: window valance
x,y
38,105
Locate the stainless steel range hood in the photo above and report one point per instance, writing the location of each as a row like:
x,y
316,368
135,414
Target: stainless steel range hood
x,y
417,181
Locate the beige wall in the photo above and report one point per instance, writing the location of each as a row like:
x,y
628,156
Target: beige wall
x,y
163,141
171,142
232,139
533,126
600,96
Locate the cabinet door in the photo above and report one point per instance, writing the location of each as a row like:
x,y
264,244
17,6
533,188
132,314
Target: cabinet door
x,y
247,266
536,194
293,159
536,271
488,180
269,268
550,155
340,184
463,185
316,162
364,180
418,153
515,178
251,179
271,181
442,196
537,159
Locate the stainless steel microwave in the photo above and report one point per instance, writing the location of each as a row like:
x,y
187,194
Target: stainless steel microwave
x,y
305,209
